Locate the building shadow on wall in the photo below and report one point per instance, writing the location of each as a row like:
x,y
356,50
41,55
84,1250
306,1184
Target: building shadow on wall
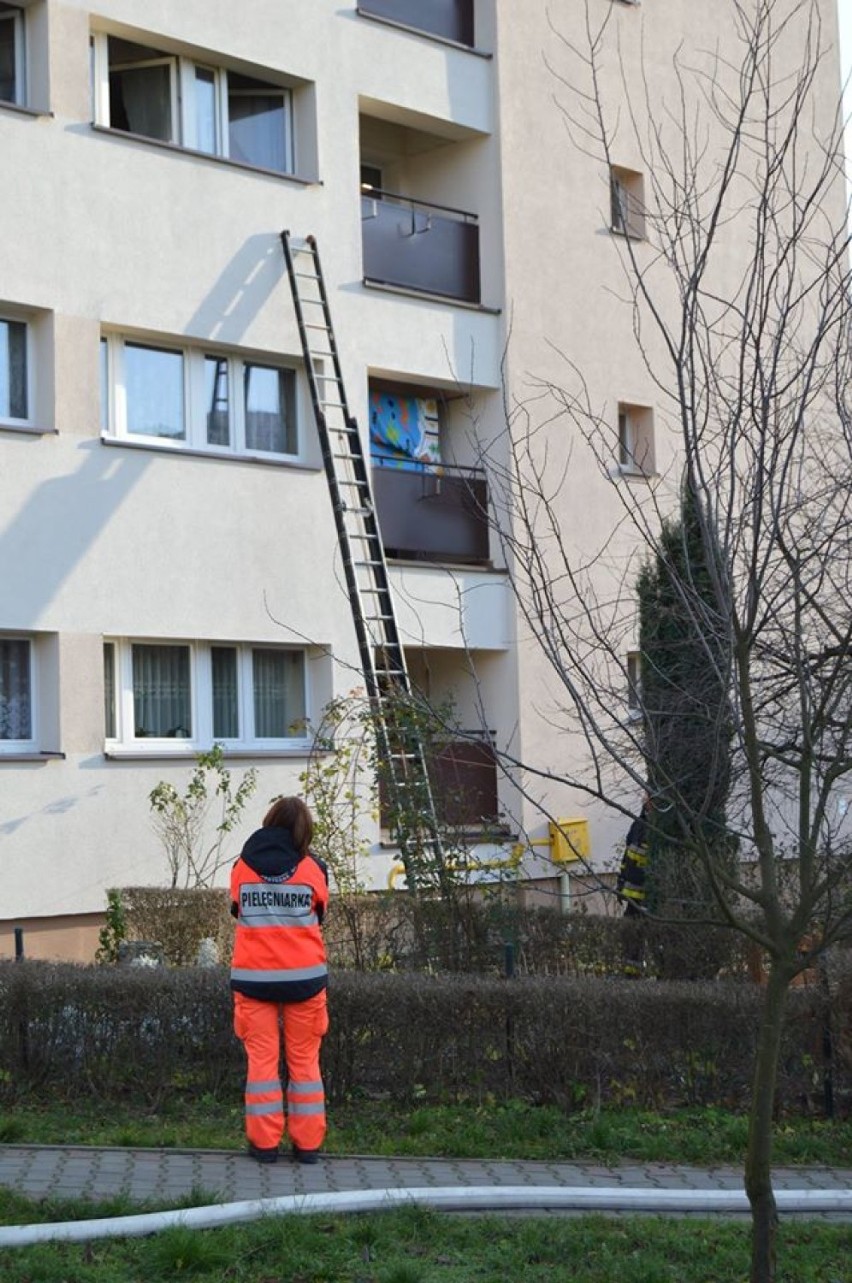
x,y
241,290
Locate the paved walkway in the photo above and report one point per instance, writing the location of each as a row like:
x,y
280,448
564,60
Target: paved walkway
x,y
167,1177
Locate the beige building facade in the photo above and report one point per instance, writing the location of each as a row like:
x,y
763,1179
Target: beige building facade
x,y
170,570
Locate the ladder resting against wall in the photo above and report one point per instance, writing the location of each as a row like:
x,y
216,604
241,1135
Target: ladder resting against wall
x,y
399,745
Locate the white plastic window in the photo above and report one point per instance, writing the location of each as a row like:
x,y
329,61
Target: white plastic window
x,y
177,694
144,91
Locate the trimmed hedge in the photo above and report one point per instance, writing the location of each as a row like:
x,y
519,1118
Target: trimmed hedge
x,y
379,932
154,1033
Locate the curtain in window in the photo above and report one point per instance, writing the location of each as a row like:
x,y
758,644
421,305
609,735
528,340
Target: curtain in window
x,y
404,431
109,690
205,110
279,693
269,409
140,101
257,128
154,386
15,691
8,83
161,692
226,722
13,369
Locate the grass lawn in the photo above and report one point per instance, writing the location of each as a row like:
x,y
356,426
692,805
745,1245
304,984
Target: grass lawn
x,y
509,1130
417,1245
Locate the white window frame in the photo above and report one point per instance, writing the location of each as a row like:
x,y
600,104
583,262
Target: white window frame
x,y
201,700
16,17
114,413
9,746
184,117
10,421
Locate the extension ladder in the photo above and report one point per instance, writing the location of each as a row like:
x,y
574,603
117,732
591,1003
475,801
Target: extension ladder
x,y
399,745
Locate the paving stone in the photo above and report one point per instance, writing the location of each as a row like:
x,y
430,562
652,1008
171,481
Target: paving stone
x,y
164,1175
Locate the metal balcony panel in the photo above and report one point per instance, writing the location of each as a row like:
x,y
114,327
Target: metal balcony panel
x,y
415,247
437,515
449,19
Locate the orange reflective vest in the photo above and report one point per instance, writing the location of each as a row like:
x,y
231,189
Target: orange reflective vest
x,y
279,954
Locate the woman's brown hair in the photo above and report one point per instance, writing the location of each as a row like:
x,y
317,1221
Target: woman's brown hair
x,y
292,813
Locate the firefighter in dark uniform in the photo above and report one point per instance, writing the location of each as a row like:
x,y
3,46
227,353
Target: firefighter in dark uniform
x,y
630,885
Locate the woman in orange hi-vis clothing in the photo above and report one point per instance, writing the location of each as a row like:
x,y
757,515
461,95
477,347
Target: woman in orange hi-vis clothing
x,y
279,894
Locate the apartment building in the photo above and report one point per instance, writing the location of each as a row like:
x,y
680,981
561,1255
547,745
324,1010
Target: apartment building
x,y
171,573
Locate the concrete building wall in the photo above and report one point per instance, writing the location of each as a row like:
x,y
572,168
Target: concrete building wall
x,y
104,537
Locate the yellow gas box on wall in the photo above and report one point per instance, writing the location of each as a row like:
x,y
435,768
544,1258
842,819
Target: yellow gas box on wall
x,y
569,840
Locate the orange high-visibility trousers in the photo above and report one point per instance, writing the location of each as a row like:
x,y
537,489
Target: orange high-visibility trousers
x,y
259,1026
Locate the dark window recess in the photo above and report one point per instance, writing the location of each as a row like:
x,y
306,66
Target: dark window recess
x,y
463,780
463,774
432,514
422,247
450,19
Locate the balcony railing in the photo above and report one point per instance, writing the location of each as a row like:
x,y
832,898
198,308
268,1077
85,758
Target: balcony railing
x,y
434,513
418,246
450,19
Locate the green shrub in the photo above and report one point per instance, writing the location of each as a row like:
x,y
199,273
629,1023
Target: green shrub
x,y
160,1033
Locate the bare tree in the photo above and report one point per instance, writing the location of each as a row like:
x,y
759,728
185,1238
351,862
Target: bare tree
x,y
739,291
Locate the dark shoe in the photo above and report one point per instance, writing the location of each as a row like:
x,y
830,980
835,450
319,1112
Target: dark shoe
x,y
306,1156
261,1155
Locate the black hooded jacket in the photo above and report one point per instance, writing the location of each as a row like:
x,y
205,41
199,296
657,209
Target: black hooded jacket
x,y
271,854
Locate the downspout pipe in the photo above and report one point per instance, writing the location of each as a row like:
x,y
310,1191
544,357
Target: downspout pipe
x,y
473,1198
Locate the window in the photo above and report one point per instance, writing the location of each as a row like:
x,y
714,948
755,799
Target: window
x,y
189,398
238,695
17,714
146,91
14,371
634,685
11,54
635,439
627,203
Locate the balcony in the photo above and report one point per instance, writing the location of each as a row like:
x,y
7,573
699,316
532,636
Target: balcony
x,y
428,514
463,778
419,246
463,774
448,19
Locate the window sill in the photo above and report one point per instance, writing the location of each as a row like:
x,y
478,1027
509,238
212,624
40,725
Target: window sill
x,y
33,113
627,235
136,753
426,35
27,429
384,287
179,150
37,755
636,474
197,452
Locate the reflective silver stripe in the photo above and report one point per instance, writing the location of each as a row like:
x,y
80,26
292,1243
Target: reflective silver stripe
x,y
296,973
264,904
273,920
303,1089
274,1084
270,1107
317,1107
